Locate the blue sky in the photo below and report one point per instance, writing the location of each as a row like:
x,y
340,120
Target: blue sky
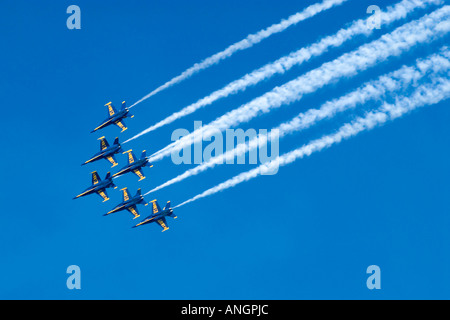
x,y
308,232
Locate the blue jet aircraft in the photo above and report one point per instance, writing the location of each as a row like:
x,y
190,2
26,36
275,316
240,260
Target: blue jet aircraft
x,y
115,117
106,152
99,186
134,165
158,216
129,203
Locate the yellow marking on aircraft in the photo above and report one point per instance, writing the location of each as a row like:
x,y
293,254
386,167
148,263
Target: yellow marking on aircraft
x,y
93,159
94,177
141,223
134,212
82,194
126,195
103,195
139,174
121,125
110,109
103,144
130,156
155,207
119,173
162,224
111,159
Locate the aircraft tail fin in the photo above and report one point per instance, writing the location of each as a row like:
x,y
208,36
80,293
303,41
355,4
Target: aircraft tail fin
x,y
144,154
167,205
116,141
124,105
138,193
108,176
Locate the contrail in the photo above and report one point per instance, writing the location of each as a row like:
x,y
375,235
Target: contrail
x,y
282,65
423,30
391,82
248,42
427,95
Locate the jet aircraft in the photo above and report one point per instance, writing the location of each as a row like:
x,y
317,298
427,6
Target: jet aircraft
x,y
106,152
158,215
115,117
134,165
129,203
99,186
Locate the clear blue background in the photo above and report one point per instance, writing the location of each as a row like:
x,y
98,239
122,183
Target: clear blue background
x,y
308,232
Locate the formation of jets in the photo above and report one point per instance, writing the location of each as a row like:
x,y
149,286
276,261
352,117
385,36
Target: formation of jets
x,y
134,165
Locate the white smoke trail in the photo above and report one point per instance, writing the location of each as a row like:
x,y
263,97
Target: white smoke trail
x,y
391,82
248,42
282,65
427,95
403,38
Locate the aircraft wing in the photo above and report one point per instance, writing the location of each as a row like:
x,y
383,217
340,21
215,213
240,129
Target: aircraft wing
x,y
131,156
126,194
139,173
121,125
111,110
133,210
103,143
95,178
155,207
163,223
103,194
112,160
